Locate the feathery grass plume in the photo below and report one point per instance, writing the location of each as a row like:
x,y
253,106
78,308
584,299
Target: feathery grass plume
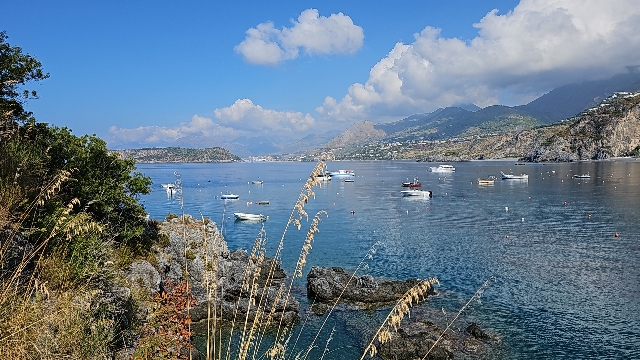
x,y
297,214
475,296
210,275
259,246
368,256
302,260
246,338
268,321
403,307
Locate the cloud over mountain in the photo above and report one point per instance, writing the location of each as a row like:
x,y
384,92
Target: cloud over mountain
x,y
516,57
311,33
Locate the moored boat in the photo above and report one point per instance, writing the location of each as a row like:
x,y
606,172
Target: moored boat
x,y
418,193
341,174
229,196
514,177
488,181
413,184
250,217
170,188
442,168
257,182
583,176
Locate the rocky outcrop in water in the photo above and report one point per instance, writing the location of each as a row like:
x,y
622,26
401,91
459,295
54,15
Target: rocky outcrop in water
x,y
325,285
416,336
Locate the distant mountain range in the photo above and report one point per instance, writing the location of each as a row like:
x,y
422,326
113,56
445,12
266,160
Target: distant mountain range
x,y
464,120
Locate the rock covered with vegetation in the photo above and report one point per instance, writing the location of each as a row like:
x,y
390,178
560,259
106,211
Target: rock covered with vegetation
x,y
196,250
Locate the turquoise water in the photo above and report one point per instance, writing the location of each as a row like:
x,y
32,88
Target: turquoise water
x,y
565,286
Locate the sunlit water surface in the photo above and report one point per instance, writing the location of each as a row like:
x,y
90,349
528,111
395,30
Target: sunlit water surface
x,y
565,286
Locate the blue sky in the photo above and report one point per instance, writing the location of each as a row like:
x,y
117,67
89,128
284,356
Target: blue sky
x,y
146,73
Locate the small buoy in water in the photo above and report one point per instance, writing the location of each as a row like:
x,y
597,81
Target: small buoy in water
x,y
565,203
334,204
522,219
506,237
506,208
407,212
589,216
529,197
352,212
228,217
616,235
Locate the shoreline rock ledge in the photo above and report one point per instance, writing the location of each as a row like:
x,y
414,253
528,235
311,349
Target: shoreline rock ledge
x,y
326,284
417,333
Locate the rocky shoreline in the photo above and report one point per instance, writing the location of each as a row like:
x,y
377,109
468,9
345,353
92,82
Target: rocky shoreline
x,y
202,241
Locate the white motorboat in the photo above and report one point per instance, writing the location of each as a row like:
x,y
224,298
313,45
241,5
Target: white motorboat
x,y
341,174
442,168
583,176
514,177
229,196
170,188
250,217
418,193
257,182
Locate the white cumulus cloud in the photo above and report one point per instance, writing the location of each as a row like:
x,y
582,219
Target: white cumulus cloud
x,y
165,136
245,115
517,56
310,33
242,118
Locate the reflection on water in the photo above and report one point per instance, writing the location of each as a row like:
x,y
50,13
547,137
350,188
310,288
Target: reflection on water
x,y
565,285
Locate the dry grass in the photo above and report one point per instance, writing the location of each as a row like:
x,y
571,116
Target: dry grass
x,y
39,317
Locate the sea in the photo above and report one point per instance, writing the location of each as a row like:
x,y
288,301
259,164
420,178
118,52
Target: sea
x,y
562,254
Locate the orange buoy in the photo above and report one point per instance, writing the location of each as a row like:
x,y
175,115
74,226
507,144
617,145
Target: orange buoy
x,y
616,235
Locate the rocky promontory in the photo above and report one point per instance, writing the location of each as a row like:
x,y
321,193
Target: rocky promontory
x,y
196,250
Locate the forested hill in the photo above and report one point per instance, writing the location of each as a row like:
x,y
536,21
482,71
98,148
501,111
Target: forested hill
x,y
177,154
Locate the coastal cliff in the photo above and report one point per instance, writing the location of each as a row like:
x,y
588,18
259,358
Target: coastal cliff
x,y
611,129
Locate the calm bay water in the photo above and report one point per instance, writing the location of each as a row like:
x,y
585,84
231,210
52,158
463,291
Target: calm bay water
x,y
565,286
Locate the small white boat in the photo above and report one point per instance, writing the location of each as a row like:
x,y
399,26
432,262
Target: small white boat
x,y
583,176
250,217
514,177
341,174
486,182
415,192
229,196
170,188
442,168
257,182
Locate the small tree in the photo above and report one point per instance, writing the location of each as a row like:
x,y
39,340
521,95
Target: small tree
x,y
16,70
